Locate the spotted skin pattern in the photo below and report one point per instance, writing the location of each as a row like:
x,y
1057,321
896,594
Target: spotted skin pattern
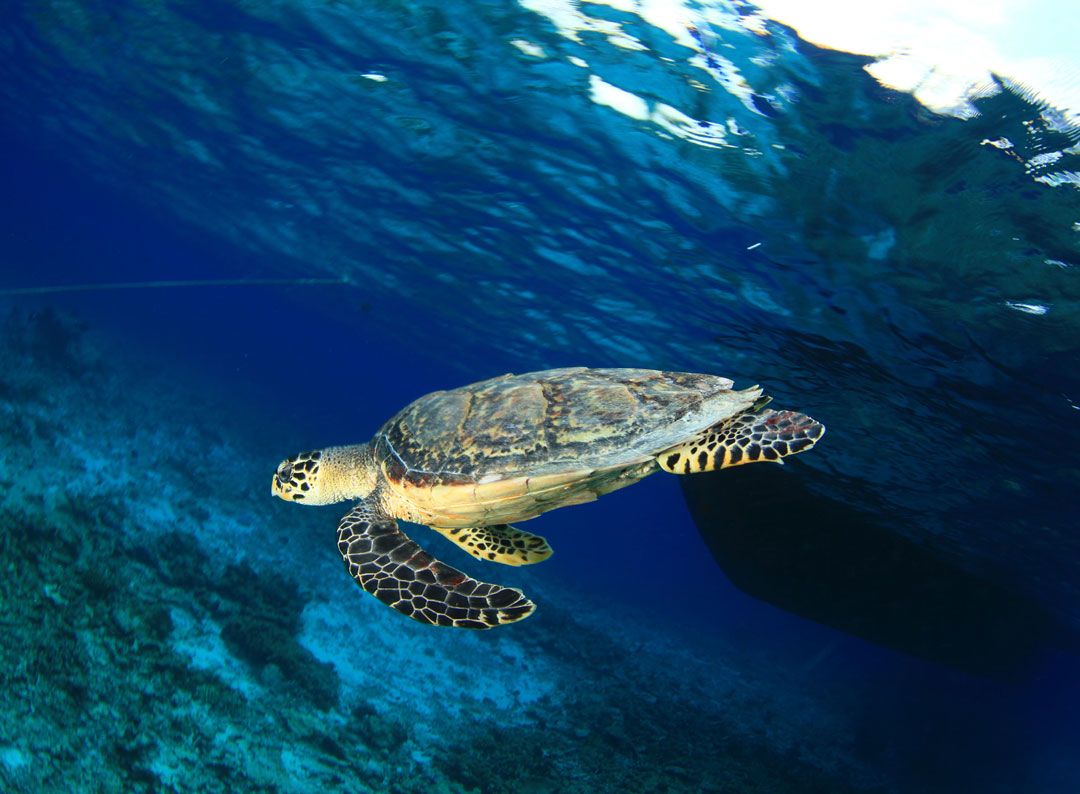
x,y
394,569
747,438
500,543
293,478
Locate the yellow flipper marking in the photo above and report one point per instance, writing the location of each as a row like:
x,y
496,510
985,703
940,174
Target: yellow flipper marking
x,y
747,438
499,543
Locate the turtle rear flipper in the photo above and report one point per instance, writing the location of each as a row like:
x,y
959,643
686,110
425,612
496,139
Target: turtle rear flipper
x,y
499,543
747,438
394,569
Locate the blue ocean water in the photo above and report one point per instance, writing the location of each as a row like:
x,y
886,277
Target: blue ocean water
x,y
484,188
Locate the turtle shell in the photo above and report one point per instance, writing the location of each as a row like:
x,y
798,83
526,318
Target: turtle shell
x,y
558,427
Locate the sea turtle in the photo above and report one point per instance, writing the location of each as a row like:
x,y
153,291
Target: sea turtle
x,y
469,461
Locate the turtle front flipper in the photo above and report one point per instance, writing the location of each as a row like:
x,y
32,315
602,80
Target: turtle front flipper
x,y
499,543
746,438
394,569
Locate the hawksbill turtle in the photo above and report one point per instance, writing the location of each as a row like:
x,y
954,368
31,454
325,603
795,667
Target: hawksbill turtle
x,y
469,461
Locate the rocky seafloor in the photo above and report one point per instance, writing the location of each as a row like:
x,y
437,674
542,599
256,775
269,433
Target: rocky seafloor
x,y
165,630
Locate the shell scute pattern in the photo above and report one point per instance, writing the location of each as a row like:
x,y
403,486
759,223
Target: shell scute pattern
x,y
511,426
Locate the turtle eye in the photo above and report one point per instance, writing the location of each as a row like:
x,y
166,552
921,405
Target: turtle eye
x,y
284,472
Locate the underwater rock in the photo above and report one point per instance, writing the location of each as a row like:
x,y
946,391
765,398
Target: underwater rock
x,y
55,339
822,560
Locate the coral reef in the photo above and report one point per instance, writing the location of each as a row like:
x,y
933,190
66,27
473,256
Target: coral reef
x,y
152,644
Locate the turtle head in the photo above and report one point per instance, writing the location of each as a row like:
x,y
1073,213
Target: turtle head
x,y
325,476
